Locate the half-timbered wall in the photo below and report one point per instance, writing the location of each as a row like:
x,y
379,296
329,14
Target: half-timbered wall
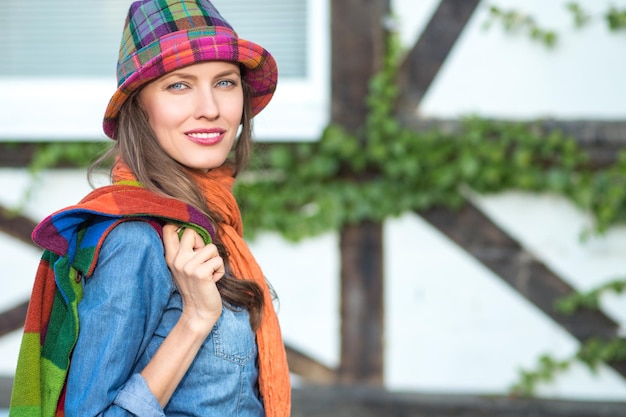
x,y
457,319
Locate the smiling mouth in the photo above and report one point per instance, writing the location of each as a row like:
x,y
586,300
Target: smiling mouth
x,y
210,135
206,138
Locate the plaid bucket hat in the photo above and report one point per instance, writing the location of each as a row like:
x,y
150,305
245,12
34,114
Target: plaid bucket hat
x,y
163,35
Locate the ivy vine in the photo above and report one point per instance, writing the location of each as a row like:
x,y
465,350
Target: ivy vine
x,y
386,170
516,21
591,353
601,196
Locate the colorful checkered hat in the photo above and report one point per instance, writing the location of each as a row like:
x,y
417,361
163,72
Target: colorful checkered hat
x,y
163,35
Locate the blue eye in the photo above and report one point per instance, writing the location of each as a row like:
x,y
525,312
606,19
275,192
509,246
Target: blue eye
x,y
177,86
225,83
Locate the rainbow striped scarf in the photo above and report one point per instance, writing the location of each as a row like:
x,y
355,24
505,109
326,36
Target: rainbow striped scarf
x,y
71,239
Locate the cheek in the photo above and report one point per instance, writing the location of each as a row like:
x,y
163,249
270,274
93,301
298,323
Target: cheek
x,y
164,116
235,111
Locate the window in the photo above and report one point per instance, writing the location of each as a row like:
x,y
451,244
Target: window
x,y
58,68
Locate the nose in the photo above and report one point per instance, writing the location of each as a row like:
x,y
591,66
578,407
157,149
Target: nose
x,y
206,105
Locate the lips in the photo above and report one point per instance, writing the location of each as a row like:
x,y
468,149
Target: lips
x,y
206,137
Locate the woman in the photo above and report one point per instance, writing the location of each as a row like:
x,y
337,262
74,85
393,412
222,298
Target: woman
x,y
147,301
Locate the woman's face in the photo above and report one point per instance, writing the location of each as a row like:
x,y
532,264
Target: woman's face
x,y
195,112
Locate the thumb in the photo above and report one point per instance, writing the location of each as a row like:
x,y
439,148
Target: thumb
x,y
198,242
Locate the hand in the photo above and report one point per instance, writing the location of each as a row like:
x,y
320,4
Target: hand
x,y
195,268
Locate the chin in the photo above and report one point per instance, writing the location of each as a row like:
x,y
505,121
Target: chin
x,y
204,166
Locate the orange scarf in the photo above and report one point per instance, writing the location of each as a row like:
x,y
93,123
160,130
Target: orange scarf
x,y
274,383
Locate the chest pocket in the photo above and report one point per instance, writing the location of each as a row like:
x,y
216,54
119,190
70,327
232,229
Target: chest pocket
x,y
231,339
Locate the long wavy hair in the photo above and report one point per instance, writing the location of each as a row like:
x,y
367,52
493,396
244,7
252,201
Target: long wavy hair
x,y
138,148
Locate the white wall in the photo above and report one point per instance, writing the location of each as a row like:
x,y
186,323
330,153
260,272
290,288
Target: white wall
x,y
495,74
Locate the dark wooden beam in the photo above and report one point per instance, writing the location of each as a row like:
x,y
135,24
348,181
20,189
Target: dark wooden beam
x,y
601,139
339,401
16,155
424,60
19,227
311,370
362,304
357,53
480,237
16,225
368,402
585,131
13,319
359,40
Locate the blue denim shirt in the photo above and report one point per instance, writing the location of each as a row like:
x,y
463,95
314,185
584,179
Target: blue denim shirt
x,y
130,304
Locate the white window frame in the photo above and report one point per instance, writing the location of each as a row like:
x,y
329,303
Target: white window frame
x,y
44,109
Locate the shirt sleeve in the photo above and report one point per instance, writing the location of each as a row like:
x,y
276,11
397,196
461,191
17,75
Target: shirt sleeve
x,y
120,310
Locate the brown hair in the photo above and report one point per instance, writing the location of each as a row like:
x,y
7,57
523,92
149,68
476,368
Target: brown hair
x,y
139,149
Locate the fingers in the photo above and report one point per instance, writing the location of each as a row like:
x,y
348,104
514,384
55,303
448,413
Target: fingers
x,y
174,236
197,242
218,269
171,243
195,268
169,231
189,254
212,269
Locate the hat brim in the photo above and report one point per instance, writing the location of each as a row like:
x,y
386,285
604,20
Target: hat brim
x,y
260,71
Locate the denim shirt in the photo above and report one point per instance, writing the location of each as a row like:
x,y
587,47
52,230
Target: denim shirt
x,y
129,306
